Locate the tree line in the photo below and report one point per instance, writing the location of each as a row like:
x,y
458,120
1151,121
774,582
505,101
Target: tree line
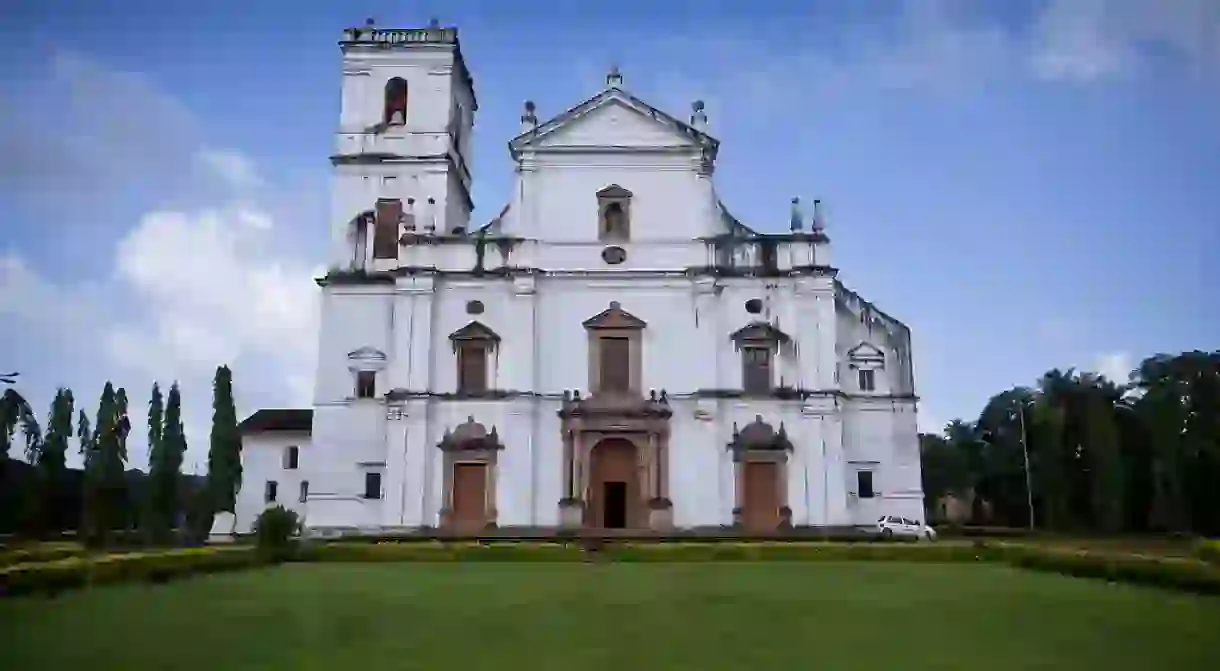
x,y
42,497
1102,456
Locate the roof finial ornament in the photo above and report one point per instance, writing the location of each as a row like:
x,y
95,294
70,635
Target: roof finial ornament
x,y
698,118
796,224
819,222
529,120
614,79
369,21
434,23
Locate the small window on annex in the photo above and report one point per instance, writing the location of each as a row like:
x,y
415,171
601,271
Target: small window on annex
x,y
864,484
291,456
304,491
270,492
372,485
366,384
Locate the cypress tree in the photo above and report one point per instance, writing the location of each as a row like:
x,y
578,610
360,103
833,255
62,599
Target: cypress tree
x,y
96,446
224,453
51,462
166,461
155,510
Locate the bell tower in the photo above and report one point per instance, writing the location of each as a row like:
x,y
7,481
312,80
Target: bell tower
x,y
403,143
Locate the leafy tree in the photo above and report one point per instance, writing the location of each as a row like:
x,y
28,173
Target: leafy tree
x,y
224,454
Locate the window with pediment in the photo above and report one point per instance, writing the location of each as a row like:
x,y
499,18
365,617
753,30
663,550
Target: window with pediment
x,y
474,346
615,350
614,214
758,343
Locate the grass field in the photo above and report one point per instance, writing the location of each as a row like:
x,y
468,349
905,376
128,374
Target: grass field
x,y
615,616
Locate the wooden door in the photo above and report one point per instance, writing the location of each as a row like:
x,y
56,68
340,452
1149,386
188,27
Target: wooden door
x,y
470,497
762,502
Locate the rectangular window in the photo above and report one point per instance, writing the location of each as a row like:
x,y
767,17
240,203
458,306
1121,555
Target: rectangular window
x,y
304,490
864,484
472,369
372,485
868,380
291,454
271,491
366,384
615,364
756,369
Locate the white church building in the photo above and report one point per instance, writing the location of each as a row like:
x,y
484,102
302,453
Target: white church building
x,y
612,350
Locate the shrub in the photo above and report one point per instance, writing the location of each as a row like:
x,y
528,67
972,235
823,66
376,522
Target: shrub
x,y
55,576
275,531
41,552
1207,549
1184,574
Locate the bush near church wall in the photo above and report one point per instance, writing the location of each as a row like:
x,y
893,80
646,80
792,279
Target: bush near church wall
x,y
1208,549
40,552
161,566
699,551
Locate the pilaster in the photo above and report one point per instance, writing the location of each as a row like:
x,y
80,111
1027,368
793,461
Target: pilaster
x,y
393,511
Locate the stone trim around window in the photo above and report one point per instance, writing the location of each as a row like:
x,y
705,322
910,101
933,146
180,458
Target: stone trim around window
x,y
614,214
474,340
615,322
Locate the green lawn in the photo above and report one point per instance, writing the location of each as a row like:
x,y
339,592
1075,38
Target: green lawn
x,y
867,615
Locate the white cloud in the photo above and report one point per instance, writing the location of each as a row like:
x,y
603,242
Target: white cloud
x,y
1086,40
1115,366
216,292
185,288
234,167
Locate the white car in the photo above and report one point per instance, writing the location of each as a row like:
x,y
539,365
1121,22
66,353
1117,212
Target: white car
x,y
891,525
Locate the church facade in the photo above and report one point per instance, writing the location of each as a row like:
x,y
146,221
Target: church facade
x,y
613,349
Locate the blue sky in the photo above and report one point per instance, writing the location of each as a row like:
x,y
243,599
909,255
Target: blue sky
x,y
1026,184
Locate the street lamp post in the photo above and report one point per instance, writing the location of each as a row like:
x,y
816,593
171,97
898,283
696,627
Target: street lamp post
x,y
1029,490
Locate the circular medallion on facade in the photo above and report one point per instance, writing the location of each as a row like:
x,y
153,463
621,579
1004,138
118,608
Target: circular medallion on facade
x,y
614,255
474,307
754,306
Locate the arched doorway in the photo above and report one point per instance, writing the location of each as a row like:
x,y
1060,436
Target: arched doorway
x,y
614,487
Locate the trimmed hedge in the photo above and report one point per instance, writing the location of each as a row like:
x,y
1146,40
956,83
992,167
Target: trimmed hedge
x,y
1208,549
1188,575
41,552
1191,575
54,576
636,552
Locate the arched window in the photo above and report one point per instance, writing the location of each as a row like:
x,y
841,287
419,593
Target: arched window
x,y
395,102
616,221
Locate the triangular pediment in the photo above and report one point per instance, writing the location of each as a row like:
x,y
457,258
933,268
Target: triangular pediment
x,y
475,330
759,332
613,119
614,317
865,351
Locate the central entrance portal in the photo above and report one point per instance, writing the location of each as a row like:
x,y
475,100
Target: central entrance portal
x,y
614,488
615,497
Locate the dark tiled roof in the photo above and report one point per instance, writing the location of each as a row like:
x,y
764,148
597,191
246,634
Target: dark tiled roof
x,y
278,419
